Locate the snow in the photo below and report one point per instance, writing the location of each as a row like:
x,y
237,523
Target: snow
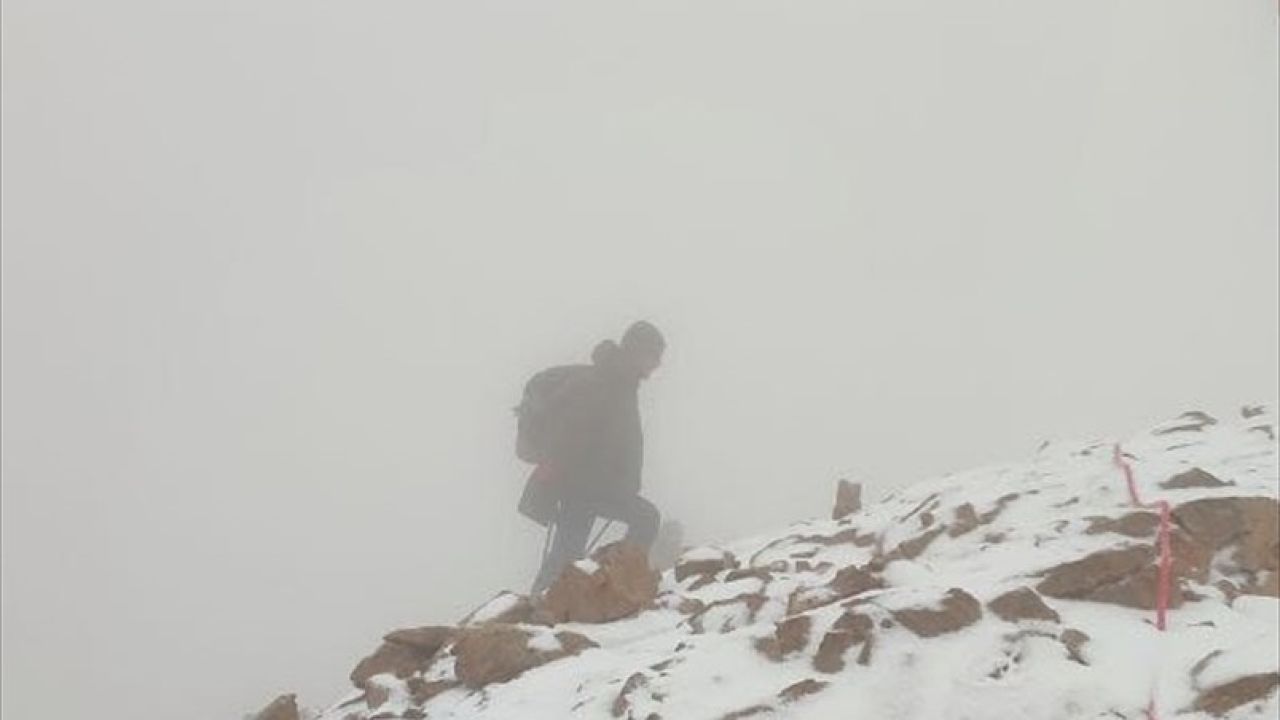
x,y
991,670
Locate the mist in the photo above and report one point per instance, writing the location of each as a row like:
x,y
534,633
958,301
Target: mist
x,y
274,275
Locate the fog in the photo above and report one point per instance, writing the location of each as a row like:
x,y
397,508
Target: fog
x,y
275,273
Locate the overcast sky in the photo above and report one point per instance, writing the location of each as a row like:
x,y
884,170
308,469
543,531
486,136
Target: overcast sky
x,y
275,272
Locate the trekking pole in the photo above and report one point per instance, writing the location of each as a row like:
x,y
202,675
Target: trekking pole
x,y
546,544
603,530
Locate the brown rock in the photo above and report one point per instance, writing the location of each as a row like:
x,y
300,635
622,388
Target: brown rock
x,y
709,566
622,703
848,582
426,640
399,660
621,586
761,574
752,711
751,604
497,653
1249,411
1252,524
421,690
1194,421
958,610
1022,604
794,692
1222,699
1074,640
789,636
284,707
1193,478
848,499
911,549
375,695
851,628
964,520
1111,573
1137,524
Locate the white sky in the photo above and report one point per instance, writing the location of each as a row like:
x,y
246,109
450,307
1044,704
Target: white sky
x,y
274,273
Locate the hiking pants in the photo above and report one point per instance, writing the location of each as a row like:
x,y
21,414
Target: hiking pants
x,y
573,526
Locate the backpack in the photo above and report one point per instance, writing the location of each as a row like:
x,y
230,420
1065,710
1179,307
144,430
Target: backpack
x,y
535,413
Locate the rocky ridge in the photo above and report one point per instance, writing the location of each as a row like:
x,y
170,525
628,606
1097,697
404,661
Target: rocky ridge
x,y
1020,590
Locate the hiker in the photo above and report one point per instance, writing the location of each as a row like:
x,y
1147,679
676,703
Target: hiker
x,y
581,426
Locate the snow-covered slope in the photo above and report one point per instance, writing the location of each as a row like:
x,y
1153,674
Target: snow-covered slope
x,y
887,612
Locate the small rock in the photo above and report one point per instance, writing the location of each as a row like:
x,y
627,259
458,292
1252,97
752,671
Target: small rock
x,y
284,707
1073,640
958,610
1022,604
789,636
795,691
622,703
1222,699
752,711
1140,523
707,566
426,640
1193,478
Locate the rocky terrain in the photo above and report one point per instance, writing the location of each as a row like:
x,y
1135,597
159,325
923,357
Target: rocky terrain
x,y
1026,590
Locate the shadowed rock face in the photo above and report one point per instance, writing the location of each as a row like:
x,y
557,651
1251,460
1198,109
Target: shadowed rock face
x,y
621,585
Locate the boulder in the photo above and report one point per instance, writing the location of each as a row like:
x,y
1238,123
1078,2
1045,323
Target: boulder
x,y
616,584
957,610
1122,576
848,499
284,707
1022,604
497,653
1250,524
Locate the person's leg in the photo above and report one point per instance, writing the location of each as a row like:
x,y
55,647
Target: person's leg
x,y
640,515
573,525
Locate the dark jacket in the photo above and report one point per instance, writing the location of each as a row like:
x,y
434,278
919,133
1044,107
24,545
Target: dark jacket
x,y
597,446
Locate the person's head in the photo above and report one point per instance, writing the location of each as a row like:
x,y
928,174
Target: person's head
x,y
641,348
